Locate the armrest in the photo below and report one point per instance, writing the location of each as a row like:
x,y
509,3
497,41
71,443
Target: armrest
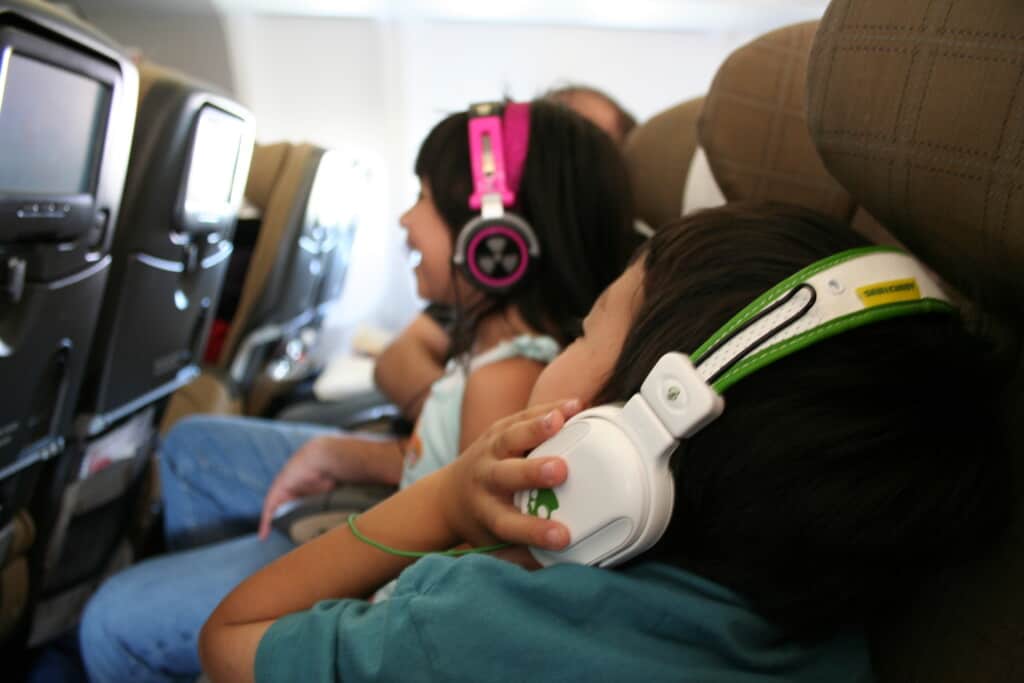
x,y
305,519
354,412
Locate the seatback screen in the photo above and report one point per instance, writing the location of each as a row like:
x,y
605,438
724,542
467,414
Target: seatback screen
x,y
52,124
211,177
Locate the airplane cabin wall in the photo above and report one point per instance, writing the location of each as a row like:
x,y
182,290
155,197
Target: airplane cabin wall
x,y
188,35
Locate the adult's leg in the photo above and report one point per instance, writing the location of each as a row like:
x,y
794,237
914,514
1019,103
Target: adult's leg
x,y
215,472
143,624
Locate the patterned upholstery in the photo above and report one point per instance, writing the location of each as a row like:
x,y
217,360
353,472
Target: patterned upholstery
x,y
754,129
935,151
917,107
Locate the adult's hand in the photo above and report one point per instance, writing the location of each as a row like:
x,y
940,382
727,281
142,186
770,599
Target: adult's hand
x,y
307,472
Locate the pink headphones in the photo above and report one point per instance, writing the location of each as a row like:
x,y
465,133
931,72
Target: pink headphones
x,y
497,249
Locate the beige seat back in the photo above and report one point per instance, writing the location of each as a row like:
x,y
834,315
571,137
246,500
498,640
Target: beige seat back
x,y
280,183
658,156
754,129
917,108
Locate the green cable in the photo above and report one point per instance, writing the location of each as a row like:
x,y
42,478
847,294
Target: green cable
x,y
415,553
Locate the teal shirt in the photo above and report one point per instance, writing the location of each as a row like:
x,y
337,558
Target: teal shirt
x,y
482,619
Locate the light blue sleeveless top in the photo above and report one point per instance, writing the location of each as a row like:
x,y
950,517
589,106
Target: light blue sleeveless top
x,y
435,441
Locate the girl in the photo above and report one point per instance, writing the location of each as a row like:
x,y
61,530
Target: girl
x,y
833,479
518,290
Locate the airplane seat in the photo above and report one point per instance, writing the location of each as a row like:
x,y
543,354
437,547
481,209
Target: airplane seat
x,y
184,190
754,130
880,126
663,148
917,108
67,106
186,175
668,168
281,187
296,268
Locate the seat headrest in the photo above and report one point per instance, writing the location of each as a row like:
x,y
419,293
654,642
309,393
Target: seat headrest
x,y
151,73
917,107
658,156
267,162
753,126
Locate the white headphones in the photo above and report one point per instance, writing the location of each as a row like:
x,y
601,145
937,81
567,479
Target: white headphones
x,y
618,498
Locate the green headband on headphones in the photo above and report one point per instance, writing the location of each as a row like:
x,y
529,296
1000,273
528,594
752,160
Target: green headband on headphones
x,y
848,290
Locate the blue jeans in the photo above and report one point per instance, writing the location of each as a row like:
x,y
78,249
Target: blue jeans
x,y
143,624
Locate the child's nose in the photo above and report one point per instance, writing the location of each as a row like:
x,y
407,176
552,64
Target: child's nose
x,y
403,220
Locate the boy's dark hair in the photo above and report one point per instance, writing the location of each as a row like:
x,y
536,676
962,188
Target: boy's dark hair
x,y
839,474
575,194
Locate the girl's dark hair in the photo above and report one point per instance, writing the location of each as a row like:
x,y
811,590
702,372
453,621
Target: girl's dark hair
x,y
575,194
837,475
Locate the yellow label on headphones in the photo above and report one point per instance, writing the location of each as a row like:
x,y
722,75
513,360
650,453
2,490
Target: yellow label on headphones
x,y
891,292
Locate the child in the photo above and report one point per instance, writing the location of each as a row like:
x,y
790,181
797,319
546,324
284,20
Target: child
x,y
549,227
833,479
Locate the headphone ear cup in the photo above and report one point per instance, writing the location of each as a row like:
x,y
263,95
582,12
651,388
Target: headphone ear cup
x,y
496,254
614,502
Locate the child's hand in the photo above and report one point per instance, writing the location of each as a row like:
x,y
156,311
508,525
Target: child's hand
x,y
478,487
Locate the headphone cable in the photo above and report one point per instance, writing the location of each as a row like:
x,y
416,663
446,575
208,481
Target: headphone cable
x,y
453,552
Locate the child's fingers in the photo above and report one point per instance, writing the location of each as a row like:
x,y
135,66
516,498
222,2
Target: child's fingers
x,y
570,407
524,415
265,518
512,526
567,407
518,475
519,555
274,498
527,434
